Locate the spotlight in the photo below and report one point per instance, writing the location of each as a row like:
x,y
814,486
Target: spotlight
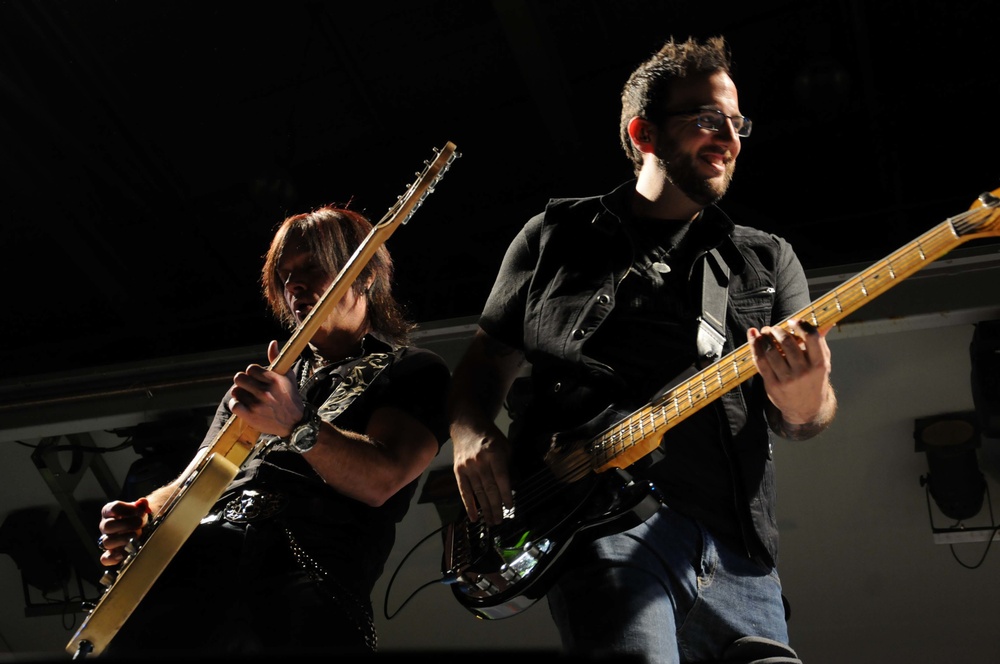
x,y
954,481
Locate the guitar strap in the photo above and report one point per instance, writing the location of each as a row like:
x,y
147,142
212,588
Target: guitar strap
x,y
712,328
354,379
711,336
714,300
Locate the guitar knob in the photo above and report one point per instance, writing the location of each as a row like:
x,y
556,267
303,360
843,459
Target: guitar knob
x,y
131,547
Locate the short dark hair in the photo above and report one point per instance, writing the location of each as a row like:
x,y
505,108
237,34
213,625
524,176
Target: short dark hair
x,y
647,90
332,235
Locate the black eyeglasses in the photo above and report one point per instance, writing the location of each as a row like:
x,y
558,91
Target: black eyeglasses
x,y
712,120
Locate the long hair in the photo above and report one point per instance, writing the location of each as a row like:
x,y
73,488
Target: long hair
x,y
331,235
647,91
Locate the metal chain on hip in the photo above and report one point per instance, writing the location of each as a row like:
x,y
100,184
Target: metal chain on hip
x,y
344,597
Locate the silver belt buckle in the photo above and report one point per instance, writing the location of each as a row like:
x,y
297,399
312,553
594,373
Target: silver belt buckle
x,y
252,506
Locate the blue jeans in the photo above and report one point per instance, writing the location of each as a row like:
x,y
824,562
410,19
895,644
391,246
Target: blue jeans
x,y
666,590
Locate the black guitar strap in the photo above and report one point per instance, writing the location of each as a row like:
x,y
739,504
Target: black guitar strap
x,y
714,299
711,335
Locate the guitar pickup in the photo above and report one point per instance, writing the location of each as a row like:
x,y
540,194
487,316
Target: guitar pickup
x,y
523,564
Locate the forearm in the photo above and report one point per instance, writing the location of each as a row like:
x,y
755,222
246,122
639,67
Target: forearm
x,y
480,450
804,427
374,466
159,497
479,386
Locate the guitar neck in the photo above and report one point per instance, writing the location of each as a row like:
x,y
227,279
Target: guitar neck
x,y
639,434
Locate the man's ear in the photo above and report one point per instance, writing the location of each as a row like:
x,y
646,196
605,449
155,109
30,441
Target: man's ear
x,y
643,134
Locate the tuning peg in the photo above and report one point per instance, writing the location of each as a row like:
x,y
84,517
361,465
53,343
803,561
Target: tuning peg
x,y
108,578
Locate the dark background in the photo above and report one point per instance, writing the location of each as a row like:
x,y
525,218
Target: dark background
x,y
150,148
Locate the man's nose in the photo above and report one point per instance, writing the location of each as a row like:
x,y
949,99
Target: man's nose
x,y
294,282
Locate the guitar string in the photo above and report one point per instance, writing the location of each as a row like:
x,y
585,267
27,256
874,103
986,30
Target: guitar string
x,y
623,435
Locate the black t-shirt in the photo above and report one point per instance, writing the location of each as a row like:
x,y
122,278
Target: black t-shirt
x,y
647,337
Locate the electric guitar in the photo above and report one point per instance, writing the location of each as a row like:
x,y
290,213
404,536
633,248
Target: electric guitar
x,y
208,475
497,571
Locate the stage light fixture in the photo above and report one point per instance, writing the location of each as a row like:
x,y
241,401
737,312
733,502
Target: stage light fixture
x,y
954,480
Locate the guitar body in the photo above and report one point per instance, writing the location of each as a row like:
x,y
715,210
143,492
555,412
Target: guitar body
x,y
504,569
206,482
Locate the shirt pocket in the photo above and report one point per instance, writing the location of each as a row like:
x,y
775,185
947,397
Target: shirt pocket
x,y
752,307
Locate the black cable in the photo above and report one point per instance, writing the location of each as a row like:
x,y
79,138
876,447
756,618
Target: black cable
x,y
982,558
989,542
385,605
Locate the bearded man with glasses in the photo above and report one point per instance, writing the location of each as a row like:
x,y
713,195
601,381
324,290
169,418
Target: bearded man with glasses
x,y
609,299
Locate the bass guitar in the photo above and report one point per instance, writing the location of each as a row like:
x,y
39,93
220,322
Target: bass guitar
x,y
208,475
497,571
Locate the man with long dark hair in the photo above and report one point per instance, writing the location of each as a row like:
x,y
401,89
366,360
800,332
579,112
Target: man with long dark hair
x,y
287,559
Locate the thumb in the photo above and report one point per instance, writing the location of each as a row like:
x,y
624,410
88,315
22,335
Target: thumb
x,y
272,354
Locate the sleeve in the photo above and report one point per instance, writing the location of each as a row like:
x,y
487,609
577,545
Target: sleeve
x,y
790,283
503,315
417,384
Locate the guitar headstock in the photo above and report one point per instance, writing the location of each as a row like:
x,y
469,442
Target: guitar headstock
x,y
407,203
982,218
399,213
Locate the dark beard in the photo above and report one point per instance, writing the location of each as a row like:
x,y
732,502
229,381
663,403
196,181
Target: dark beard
x,y
681,173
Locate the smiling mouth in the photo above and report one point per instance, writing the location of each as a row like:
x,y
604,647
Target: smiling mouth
x,y
718,160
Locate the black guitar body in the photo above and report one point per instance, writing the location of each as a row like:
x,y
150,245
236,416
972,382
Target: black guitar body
x,y
497,571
